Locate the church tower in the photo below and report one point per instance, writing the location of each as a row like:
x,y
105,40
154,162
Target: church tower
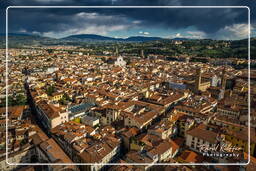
x,y
117,52
142,53
198,79
57,76
223,79
187,60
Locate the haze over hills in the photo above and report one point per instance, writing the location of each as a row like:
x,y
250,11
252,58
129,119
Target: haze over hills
x,y
94,37
91,37
20,39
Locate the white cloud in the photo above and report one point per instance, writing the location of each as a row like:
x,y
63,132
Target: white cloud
x,y
144,32
27,32
178,35
196,34
36,33
232,32
83,15
91,23
93,29
253,31
22,31
173,36
235,31
136,22
189,35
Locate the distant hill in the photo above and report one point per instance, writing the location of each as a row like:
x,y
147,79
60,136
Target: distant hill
x,y
16,34
201,47
88,37
142,38
94,37
181,38
20,39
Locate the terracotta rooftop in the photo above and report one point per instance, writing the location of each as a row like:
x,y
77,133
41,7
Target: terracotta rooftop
x,y
201,132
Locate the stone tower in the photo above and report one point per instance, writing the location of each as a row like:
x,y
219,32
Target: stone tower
x,y
142,53
117,52
187,60
214,81
223,79
198,79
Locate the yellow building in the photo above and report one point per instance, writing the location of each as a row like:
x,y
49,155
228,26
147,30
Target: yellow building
x,y
40,84
43,95
136,146
56,96
239,138
237,134
77,120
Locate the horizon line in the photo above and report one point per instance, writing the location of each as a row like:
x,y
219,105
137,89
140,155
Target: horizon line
x,y
30,34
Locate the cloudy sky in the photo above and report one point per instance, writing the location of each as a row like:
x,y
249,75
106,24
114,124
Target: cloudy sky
x,y
215,23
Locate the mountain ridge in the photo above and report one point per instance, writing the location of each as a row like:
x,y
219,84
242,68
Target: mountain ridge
x,y
100,37
89,37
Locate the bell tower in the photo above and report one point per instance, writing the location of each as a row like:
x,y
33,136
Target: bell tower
x,y
117,51
198,79
142,53
223,78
